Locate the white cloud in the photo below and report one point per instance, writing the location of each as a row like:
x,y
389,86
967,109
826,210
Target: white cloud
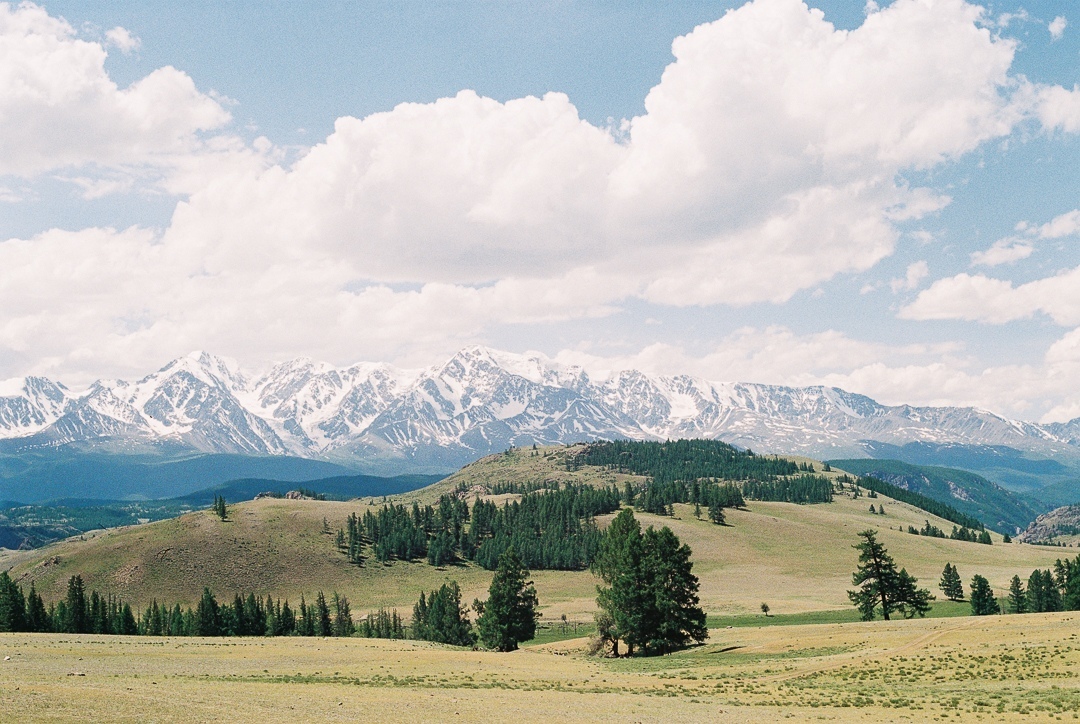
x,y
1058,108
122,39
912,277
765,164
59,108
1066,224
982,299
1003,251
1057,27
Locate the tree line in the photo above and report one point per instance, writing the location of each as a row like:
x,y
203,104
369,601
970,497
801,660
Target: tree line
x,y
94,613
683,460
962,533
505,619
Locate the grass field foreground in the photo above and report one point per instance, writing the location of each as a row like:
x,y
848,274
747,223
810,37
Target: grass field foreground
x,y
945,669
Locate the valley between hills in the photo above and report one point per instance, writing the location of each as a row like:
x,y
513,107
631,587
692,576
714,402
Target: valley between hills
x,y
810,658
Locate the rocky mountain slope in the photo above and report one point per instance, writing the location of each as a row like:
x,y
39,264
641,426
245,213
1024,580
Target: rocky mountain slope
x,y
479,401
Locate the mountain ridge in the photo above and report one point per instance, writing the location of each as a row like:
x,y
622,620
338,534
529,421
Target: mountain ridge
x,y
375,416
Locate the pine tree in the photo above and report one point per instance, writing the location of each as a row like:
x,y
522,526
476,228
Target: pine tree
x,y
77,619
509,615
951,584
12,605
880,584
650,599
618,564
442,618
983,602
1017,597
672,617
220,509
343,623
207,615
323,623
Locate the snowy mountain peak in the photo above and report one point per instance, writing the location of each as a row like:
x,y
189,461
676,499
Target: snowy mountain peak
x,y
480,400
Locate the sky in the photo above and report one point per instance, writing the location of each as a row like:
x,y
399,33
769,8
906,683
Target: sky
x,y
882,197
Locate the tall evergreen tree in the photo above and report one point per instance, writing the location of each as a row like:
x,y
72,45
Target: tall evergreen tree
x,y
77,618
983,602
343,623
12,605
323,623
618,564
509,615
207,615
880,584
951,584
442,618
673,617
1017,596
650,601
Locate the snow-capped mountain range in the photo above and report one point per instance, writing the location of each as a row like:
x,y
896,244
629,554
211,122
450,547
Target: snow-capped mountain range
x,y
478,402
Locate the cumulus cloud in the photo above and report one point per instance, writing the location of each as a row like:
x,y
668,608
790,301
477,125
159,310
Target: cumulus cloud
x,y
122,39
1057,27
912,277
59,108
766,163
996,301
1003,251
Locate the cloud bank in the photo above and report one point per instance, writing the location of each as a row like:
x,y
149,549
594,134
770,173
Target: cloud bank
x,y
770,159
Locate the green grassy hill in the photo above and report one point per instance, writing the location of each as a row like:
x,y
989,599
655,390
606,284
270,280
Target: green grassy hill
x,y
797,558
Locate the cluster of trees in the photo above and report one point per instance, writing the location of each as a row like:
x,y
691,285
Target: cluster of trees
x,y
553,529
220,509
881,586
880,510
79,612
683,460
962,533
1047,590
941,510
649,598
351,543
441,617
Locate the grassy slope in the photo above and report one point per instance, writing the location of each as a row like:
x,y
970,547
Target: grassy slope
x,y
796,558
967,492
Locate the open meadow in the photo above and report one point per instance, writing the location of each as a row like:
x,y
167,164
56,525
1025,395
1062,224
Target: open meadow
x,y
947,669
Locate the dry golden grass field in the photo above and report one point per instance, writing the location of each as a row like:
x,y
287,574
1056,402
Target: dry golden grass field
x,y
990,669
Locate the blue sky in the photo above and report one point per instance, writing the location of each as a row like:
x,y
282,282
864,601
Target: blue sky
x,y
882,197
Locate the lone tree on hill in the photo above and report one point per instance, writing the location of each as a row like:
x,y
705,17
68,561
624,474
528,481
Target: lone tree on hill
x,y
509,615
983,602
880,584
950,584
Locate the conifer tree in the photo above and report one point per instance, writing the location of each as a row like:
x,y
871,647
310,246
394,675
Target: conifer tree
x,y
12,605
207,615
37,618
77,618
1017,596
343,623
983,602
951,584
323,623
880,584
509,615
